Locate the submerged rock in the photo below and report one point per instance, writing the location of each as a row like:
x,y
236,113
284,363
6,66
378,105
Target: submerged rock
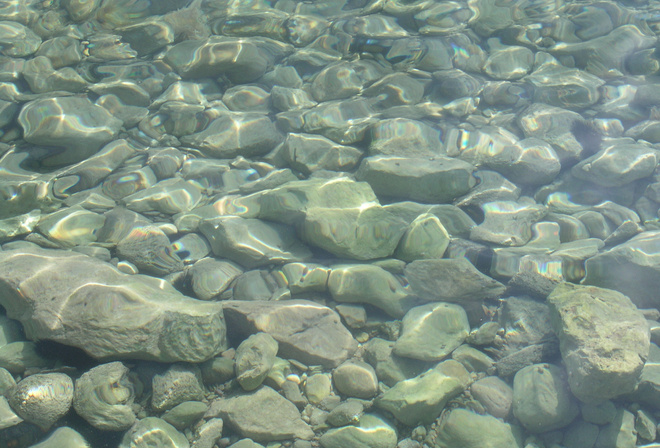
x,y
422,399
542,400
263,415
434,180
450,280
103,396
74,123
604,340
306,331
81,301
153,431
431,332
632,268
469,430
42,399
372,431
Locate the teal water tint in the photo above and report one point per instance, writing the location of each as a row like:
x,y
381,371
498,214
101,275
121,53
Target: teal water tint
x,y
335,223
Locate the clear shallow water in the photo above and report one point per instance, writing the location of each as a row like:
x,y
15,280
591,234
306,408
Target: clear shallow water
x,y
421,174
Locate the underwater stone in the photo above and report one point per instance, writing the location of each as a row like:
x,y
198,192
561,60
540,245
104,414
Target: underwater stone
x,y
363,233
153,431
530,161
631,268
42,77
491,187
346,413
185,414
71,226
372,431
395,89
169,196
598,55
509,62
17,357
150,250
308,153
551,81
290,202
453,219
255,356
425,237
344,121
431,332
247,99
147,36
507,223
251,242
404,138
451,280
467,429
63,437
42,399
422,399
436,180
365,283
258,285
148,319
103,396
17,40
617,165
335,82
355,378
236,133
243,60
263,415
495,395
210,277
75,123
178,384
305,330
604,340
542,400
553,125
306,277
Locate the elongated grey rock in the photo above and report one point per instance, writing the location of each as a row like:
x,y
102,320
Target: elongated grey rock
x,y
84,302
450,280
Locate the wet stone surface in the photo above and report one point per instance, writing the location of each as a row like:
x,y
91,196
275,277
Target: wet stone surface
x,y
337,224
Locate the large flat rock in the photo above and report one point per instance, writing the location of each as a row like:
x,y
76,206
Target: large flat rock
x,y
84,302
305,330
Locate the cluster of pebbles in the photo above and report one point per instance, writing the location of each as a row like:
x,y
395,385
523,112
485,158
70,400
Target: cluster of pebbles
x,y
334,223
